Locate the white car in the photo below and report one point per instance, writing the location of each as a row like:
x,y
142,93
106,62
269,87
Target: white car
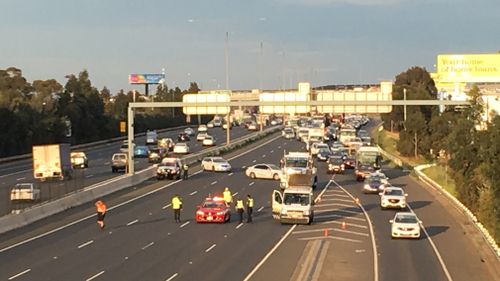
x,y
189,131
24,191
393,197
316,146
201,136
181,148
383,178
253,127
202,128
405,225
264,171
215,164
208,141
210,124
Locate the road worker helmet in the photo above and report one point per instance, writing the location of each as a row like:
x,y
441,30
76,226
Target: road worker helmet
x,y
226,189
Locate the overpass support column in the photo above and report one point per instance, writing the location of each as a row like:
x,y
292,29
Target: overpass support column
x,y
130,122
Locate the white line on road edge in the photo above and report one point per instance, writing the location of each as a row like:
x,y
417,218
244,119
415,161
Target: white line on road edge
x,y
172,277
89,176
213,183
254,161
263,156
123,203
166,206
19,274
230,174
239,225
193,193
254,270
243,167
184,224
272,151
132,222
260,209
252,183
209,249
20,179
148,245
95,276
441,261
374,247
85,244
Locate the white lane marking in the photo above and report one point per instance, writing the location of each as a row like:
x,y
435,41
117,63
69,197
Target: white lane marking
x,y
239,225
148,245
85,244
193,193
335,195
339,204
184,224
89,176
172,277
166,206
372,235
441,261
19,274
15,173
252,183
330,229
260,209
347,224
337,199
330,237
272,151
270,253
236,193
263,156
254,161
213,183
123,203
230,174
95,276
20,179
107,163
338,216
338,211
279,146
243,167
209,249
132,222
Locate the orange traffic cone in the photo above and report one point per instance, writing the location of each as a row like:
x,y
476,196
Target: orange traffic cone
x,y
356,200
325,232
344,226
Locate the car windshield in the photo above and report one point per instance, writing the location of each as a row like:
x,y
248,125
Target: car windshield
x,y
296,198
335,160
373,180
288,130
23,186
181,144
324,150
213,204
218,160
395,192
168,162
274,167
406,219
297,163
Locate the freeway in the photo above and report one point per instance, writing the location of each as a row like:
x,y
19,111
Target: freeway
x,y
99,169
142,241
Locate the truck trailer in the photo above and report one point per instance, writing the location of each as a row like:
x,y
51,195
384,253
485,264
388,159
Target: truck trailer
x,y
52,161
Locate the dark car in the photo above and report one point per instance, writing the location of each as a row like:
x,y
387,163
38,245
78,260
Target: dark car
x,y
373,185
363,171
141,151
349,161
156,154
323,154
183,137
335,165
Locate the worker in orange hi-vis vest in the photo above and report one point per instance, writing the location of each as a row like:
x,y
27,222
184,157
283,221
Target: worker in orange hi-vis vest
x,y
101,212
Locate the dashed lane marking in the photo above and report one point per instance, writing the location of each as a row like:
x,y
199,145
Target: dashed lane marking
x,y
132,222
166,206
172,277
243,167
20,179
184,224
263,156
260,209
95,276
230,174
89,176
85,244
239,225
272,151
210,248
19,274
214,182
254,161
193,193
148,245
252,183
236,193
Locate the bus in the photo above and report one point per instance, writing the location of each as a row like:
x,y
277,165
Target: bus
x,y
368,156
346,134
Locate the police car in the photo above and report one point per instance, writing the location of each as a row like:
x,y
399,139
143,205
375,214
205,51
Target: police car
x,y
213,209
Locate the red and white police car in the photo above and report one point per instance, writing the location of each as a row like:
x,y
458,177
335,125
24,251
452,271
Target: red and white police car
x,y
213,209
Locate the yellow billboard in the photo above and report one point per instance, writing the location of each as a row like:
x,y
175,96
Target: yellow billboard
x,y
468,68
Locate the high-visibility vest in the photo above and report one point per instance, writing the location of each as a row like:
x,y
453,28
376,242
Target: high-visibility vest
x,y
101,207
227,196
239,204
176,203
250,202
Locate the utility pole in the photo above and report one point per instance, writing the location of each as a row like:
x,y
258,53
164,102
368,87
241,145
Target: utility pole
x,y
227,60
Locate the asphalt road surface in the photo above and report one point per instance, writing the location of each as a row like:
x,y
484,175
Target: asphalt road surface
x,y
142,242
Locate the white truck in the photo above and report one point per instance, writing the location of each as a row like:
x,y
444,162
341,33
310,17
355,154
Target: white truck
x,y
298,170
52,161
293,205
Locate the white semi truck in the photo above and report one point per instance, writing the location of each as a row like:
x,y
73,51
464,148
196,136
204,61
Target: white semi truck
x,y
52,161
298,170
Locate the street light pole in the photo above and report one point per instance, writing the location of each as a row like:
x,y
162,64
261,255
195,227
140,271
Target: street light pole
x,y
227,60
404,97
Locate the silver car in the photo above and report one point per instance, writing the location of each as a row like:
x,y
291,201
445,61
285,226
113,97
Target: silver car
x,y
215,164
264,171
405,225
393,197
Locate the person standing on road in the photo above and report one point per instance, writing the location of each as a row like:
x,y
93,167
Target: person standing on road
x,y
177,207
249,208
185,169
228,196
101,212
240,209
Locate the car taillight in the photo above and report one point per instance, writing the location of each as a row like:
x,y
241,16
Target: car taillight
x,y
201,213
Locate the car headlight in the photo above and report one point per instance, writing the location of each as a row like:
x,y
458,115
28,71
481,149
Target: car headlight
x,y
367,186
342,166
306,213
220,213
283,212
159,170
330,166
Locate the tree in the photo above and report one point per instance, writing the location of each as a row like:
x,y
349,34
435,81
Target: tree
x,y
416,131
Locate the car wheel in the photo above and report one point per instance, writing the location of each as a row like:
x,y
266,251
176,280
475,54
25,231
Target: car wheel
x,y
276,177
252,175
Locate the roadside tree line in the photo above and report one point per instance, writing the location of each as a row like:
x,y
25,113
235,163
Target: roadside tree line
x,y
452,138
40,112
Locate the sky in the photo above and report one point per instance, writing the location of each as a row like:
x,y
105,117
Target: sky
x,y
270,44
